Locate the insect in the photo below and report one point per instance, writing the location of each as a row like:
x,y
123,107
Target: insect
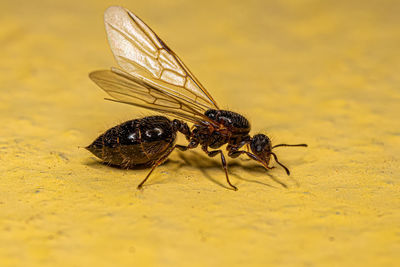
x,y
152,76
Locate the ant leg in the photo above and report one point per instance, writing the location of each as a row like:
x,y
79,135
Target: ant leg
x,y
224,165
192,144
235,154
156,164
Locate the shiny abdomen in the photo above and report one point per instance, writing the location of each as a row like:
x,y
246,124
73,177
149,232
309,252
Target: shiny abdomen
x,y
135,143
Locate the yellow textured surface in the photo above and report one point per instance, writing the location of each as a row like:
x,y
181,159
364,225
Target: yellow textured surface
x,y
321,72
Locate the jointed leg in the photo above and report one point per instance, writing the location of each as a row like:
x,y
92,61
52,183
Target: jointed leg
x,y
224,165
164,157
157,163
235,154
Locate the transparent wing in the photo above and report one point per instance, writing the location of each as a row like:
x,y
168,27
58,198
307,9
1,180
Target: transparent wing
x,y
142,54
131,90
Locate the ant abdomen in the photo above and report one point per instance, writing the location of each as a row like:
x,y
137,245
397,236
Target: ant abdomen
x,y
135,143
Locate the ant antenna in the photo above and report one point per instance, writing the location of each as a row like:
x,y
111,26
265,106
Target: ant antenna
x,y
283,166
305,145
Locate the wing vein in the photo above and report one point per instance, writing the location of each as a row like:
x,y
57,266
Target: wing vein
x,y
133,41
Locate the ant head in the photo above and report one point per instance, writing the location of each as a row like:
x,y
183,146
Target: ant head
x,y
261,146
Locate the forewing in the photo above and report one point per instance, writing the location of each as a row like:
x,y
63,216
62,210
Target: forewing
x,y
141,53
124,88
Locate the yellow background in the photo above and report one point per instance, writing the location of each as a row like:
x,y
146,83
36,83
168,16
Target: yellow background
x,y
324,73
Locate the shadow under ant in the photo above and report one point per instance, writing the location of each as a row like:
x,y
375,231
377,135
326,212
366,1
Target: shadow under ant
x,y
203,163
